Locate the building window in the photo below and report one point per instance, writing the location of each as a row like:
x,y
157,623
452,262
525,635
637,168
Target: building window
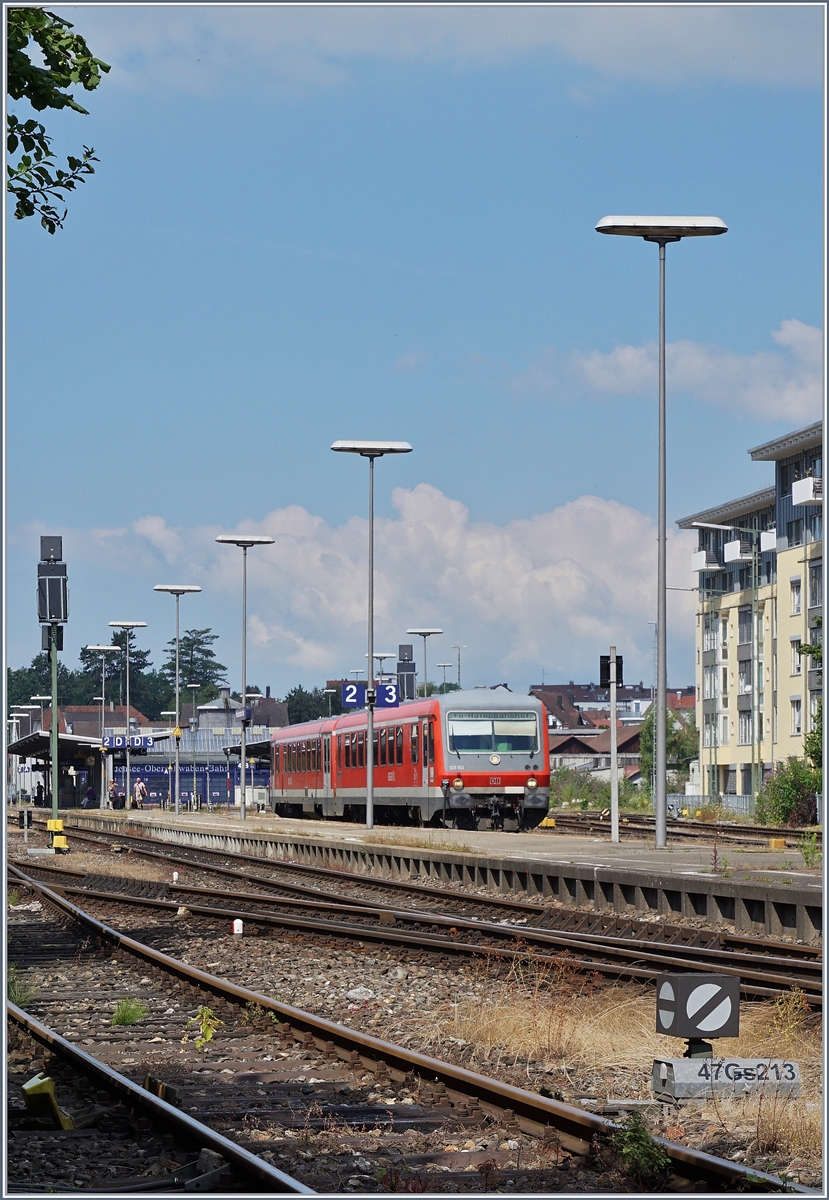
x,y
794,532
814,701
797,661
815,585
795,598
786,475
725,685
744,729
724,638
797,717
709,683
814,527
709,731
724,735
744,626
710,631
744,678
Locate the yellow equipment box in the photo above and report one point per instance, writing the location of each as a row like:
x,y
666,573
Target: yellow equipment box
x,y
59,842
55,826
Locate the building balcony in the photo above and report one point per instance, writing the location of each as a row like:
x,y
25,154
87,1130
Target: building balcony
x,y
703,560
807,491
737,551
768,540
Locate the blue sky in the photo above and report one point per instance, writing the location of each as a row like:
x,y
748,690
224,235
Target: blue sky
x,y
310,224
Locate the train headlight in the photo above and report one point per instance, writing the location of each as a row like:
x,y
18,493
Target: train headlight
x,y
457,784
532,784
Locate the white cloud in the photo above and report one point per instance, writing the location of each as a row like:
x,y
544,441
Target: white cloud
x,y
553,590
409,361
784,384
198,48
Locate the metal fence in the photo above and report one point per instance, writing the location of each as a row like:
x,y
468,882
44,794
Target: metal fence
x,y
741,806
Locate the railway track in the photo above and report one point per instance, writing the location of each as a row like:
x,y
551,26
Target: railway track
x,y
131,1123
762,976
639,825
557,1140
351,888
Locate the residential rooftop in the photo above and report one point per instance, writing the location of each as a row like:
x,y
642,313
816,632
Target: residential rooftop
x,y
790,443
732,510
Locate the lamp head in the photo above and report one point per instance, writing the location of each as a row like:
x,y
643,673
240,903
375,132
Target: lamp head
x,y
245,540
424,632
371,449
104,649
176,589
669,229
128,624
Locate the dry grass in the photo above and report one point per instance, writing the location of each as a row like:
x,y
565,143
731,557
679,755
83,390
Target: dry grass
x,y
557,1015
430,842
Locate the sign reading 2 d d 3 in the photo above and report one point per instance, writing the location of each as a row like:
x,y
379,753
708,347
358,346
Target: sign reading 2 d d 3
x,y
119,742
354,695
698,1006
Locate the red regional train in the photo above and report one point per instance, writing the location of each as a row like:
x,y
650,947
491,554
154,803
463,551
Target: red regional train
x,y
457,759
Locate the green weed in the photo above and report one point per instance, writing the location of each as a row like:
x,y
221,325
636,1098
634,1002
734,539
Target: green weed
x,y
129,1012
18,990
207,1022
810,849
14,897
639,1153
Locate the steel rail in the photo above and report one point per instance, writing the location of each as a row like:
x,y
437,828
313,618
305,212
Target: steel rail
x,y
770,947
627,961
575,1127
187,1127
707,955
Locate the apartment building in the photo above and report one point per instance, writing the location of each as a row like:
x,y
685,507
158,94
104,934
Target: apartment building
x,y
760,569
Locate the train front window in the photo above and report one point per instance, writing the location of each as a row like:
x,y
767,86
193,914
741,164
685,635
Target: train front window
x,y
482,733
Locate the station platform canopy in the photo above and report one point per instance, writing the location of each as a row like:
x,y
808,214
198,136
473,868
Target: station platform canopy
x,y
260,750
74,750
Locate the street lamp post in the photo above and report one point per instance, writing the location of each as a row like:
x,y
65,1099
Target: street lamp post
x,y
128,626
424,633
459,648
178,590
329,692
104,651
444,665
41,700
244,541
661,230
370,450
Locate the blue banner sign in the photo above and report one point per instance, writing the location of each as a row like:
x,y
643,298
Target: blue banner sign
x,y
354,695
119,742
388,695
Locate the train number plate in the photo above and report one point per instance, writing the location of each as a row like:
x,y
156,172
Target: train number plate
x,y
494,780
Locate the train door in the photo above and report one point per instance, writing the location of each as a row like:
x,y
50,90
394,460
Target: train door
x,y
326,765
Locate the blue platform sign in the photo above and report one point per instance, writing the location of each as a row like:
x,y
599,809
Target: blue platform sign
x,y
119,742
388,695
354,695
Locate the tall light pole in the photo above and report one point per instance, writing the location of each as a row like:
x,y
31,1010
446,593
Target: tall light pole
x,y
178,590
381,658
444,665
128,626
424,633
329,692
370,450
459,648
661,230
244,541
103,651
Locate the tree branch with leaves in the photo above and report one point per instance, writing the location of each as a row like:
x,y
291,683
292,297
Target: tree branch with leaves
x,y
37,183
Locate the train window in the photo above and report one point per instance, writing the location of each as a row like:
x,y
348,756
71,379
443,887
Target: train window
x,y
361,749
382,759
398,737
414,744
481,732
431,744
339,751
348,752
375,741
319,754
